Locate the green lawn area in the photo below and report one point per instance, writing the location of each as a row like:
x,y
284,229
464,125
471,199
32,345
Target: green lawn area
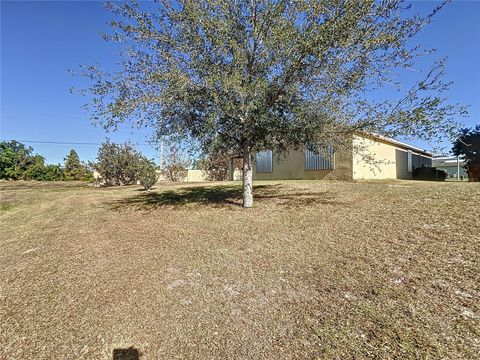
x,y
316,270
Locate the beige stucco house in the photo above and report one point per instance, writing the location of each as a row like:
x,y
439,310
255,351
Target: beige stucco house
x,y
369,157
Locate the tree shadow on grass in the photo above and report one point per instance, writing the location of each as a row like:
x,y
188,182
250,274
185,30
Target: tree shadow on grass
x,y
224,196
220,195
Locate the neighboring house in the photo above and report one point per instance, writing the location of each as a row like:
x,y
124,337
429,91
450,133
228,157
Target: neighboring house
x,y
451,166
369,157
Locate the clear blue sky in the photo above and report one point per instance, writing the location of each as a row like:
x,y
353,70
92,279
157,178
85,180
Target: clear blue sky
x,y
41,41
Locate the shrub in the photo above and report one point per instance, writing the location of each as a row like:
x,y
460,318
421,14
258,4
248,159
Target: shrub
x,y
42,172
176,165
54,173
147,174
117,164
37,171
121,164
429,173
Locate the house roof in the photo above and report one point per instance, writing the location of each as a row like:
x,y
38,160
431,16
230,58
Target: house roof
x,y
397,143
447,161
383,139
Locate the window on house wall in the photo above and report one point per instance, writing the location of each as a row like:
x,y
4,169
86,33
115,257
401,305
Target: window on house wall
x,y
324,160
263,161
410,161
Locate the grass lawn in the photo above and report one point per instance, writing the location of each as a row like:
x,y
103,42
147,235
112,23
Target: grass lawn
x,y
316,270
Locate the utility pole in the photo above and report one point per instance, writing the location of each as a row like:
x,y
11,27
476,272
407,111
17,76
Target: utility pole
x,y
161,154
458,167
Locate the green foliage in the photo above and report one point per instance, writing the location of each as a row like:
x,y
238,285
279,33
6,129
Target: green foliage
x,y
41,172
118,164
467,145
75,169
35,172
54,173
147,173
17,162
15,159
245,76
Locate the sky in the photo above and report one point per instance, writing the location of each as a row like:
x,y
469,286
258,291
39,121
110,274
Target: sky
x,y
41,41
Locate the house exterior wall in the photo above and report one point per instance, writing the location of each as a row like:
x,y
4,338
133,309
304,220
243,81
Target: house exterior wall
x,y
196,176
292,166
237,174
383,160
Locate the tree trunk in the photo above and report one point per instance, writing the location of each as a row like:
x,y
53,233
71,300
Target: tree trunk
x,y
247,178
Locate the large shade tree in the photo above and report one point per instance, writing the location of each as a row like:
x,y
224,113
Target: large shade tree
x,y
467,145
243,76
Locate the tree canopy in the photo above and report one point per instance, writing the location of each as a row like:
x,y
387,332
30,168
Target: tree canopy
x,y
18,162
468,145
122,164
15,158
243,76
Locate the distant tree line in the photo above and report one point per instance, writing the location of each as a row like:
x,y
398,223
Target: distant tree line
x,y
116,165
18,162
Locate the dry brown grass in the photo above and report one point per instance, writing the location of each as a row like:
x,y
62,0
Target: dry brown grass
x,y
328,270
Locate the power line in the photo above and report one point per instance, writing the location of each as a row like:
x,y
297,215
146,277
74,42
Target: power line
x,y
65,143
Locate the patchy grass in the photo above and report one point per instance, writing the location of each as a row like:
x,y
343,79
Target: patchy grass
x,y
328,270
4,206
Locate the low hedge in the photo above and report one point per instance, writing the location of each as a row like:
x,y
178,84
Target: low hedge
x,y
429,173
